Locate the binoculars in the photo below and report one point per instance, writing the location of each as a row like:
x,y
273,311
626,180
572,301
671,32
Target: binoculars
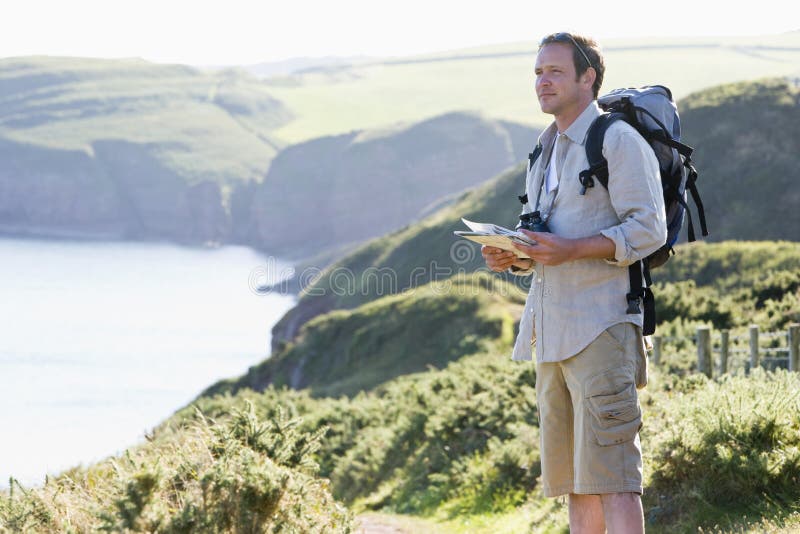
x,y
532,222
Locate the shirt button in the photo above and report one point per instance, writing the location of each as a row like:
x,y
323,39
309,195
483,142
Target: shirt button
x,y
539,280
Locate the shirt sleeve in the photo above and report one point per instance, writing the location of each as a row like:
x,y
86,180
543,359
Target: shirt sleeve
x,y
634,186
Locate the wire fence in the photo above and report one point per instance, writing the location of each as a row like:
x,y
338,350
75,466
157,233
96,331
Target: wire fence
x,y
744,350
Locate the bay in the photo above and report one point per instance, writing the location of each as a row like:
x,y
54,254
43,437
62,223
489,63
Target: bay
x,y
100,342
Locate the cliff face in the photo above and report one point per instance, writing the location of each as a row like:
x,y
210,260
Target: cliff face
x,y
119,192
126,149
56,192
317,197
158,203
345,189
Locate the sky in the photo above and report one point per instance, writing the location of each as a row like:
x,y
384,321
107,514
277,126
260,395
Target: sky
x,y
239,32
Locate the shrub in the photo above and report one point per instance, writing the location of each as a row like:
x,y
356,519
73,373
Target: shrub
x,y
731,444
243,475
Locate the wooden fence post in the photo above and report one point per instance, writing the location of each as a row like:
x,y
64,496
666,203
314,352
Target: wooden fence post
x,y
794,347
723,351
656,350
753,346
704,350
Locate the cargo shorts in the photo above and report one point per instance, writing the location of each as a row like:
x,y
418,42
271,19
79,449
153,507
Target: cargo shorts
x,y
589,416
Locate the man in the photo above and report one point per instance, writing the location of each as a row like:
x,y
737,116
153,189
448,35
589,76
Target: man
x,y
589,352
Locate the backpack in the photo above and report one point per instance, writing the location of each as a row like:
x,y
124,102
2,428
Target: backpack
x,y
653,113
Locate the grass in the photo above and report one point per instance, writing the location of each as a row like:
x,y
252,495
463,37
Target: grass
x,y
246,474
347,351
724,445
451,449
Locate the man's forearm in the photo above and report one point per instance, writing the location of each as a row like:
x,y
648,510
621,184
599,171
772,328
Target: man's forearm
x,y
551,249
594,247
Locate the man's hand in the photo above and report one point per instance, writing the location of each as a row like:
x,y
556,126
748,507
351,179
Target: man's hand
x,y
551,249
500,260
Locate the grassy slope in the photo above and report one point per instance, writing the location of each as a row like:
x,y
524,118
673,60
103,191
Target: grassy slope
x,y
224,125
746,141
458,446
243,474
212,126
727,285
423,252
498,80
345,352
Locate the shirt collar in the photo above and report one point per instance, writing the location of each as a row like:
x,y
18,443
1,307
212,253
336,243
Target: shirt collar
x,y
577,130
580,127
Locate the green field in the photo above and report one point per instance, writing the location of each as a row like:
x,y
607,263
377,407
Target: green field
x,y
201,126
498,81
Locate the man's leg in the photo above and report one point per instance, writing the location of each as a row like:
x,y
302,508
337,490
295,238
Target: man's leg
x,y
623,513
608,464
586,514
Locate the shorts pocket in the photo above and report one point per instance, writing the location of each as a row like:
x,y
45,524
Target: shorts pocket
x,y
614,406
616,335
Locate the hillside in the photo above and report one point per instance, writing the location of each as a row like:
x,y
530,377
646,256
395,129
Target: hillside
x,y
728,285
747,141
202,126
125,149
338,191
344,352
455,446
712,122
497,81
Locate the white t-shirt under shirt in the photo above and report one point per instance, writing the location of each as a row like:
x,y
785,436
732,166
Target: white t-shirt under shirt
x,y
551,178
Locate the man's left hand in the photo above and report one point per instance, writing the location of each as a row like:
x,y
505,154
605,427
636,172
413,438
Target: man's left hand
x,y
549,249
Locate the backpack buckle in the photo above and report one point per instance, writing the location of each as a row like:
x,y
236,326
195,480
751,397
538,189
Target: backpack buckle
x,y
633,303
586,180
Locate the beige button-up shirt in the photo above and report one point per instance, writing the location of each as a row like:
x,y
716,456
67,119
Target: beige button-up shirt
x,y
569,305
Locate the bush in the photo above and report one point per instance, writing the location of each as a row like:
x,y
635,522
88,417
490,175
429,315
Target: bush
x,y
732,444
241,475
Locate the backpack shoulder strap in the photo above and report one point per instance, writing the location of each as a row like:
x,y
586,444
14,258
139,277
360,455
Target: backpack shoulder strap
x,y
640,282
638,272
598,166
532,157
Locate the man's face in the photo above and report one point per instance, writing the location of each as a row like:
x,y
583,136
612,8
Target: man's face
x,y
556,87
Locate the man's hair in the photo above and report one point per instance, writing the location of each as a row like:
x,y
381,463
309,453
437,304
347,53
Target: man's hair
x,y
581,45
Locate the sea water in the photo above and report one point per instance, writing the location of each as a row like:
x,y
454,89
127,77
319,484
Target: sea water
x,y
100,342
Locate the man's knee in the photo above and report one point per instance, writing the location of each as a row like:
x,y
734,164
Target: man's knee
x,y
623,513
611,499
586,514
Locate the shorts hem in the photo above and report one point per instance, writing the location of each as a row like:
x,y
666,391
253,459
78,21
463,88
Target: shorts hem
x,y
626,487
557,491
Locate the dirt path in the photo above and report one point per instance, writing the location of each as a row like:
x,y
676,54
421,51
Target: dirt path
x,y
371,525
378,523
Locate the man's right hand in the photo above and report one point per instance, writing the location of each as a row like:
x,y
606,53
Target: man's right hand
x,y
500,260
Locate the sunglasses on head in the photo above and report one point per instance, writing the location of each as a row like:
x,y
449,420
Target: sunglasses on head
x,y
566,37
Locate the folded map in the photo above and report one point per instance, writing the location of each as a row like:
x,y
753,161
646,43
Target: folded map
x,y
494,235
